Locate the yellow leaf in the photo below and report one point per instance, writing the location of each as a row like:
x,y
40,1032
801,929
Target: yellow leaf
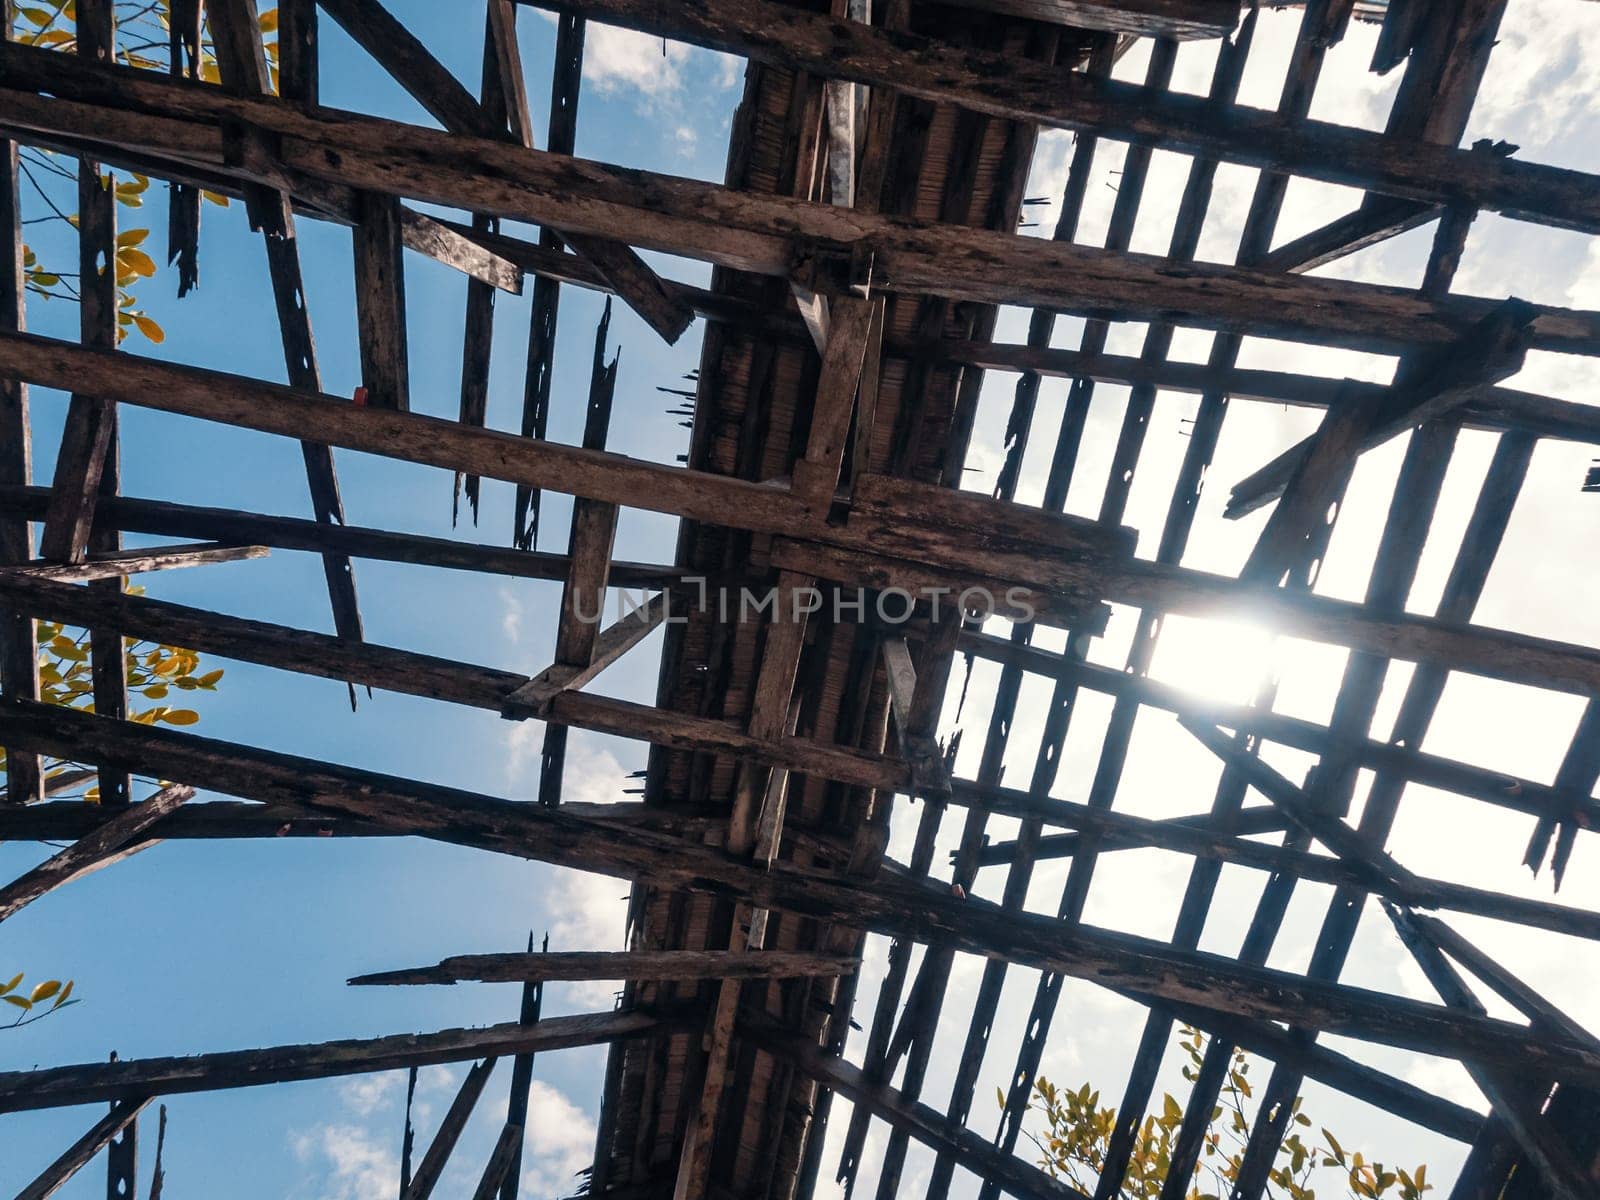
x,y
181,716
137,261
149,328
45,990
131,237
15,979
269,21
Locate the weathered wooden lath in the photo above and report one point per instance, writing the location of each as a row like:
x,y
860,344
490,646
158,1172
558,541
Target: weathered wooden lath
x,y
864,243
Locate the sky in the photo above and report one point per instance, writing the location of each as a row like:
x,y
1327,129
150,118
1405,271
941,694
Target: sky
x,y
219,945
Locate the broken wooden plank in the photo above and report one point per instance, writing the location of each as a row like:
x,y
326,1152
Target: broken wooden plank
x,y
622,965
90,1083
55,1176
117,839
583,598
121,563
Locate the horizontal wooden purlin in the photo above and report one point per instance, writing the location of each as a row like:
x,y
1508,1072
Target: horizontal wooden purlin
x,y
1186,19
411,437
135,1078
621,964
163,518
1016,89
1195,840
1501,409
409,673
72,819
1429,770
121,563
717,499
883,905
737,229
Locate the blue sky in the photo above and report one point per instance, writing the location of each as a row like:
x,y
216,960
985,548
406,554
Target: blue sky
x,y
226,945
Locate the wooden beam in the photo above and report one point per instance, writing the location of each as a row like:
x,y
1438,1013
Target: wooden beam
x,y
381,303
91,1083
123,1113
534,698
1493,350
117,839
1343,236
1015,89
740,504
437,1156
748,231
501,1159
885,906
816,475
621,965
163,518
583,598
122,563
19,657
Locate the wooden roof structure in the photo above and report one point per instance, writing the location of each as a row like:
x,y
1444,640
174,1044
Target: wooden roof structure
x,y
864,241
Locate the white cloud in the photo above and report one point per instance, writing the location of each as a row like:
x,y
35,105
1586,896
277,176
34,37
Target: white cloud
x,y
365,1094
559,1143
352,1163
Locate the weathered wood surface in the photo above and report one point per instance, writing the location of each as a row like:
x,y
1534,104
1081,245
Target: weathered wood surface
x,y
54,1177
120,563
744,230
535,697
885,906
622,964
118,838
134,1078
1014,88
381,303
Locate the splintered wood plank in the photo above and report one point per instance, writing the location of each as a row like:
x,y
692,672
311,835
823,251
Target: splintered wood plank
x,y
432,237
623,965
1492,350
117,839
136,562
917,746
123,1113
19,659
381,303
91,1083
437,1156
